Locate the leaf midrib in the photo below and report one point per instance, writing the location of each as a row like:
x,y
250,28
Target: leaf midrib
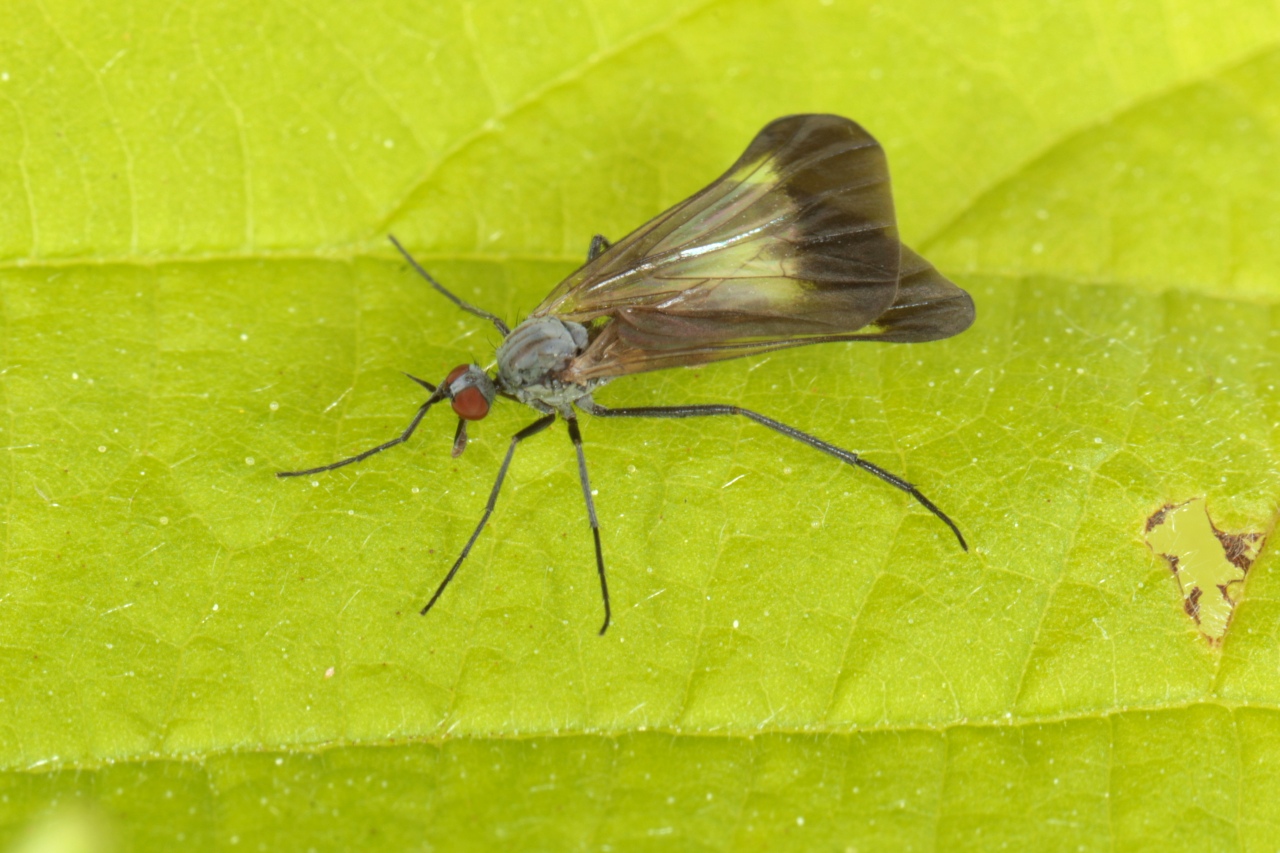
x,y
1009,722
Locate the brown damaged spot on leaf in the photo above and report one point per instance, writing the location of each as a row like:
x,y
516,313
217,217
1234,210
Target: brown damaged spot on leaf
x,y
1208,565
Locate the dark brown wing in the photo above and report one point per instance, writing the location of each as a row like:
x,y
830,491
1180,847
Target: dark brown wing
x,y
928,307
795,244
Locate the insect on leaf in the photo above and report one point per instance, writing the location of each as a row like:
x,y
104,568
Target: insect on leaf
x,y
795,244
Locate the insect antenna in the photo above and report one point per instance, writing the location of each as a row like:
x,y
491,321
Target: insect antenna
x,y
532,429
576,437
437,394
424,383
461,303
843,455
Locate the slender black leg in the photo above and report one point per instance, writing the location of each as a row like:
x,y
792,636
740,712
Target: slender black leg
x,y
532,429
598,245
576,437
843,455
461,303
437,394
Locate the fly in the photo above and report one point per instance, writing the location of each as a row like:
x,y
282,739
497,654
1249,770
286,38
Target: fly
x,y
796,244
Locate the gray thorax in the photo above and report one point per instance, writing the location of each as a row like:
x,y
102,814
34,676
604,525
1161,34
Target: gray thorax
x,y
532,358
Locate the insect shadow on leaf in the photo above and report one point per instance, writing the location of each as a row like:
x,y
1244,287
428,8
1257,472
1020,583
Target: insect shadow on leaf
x,y
796,244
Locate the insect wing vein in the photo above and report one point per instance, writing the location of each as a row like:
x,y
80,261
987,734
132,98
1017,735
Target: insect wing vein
x,y
796,243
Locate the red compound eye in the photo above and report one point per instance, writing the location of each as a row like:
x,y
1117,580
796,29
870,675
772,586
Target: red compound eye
x,y
470,404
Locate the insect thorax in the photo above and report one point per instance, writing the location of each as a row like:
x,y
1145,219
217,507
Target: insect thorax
x,y
532,358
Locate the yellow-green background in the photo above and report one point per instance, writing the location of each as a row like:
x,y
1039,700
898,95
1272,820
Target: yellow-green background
x,y
196,291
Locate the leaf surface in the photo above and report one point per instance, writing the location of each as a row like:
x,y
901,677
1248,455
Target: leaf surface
x,y
196,292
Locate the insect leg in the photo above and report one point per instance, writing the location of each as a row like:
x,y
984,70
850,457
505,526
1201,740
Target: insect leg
x,y
576,437
437,394
847,456
532,429
598,245
461,303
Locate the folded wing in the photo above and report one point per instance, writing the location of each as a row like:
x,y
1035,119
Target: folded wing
x,y
795,244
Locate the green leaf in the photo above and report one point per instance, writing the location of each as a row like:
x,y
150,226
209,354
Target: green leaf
x,y
197,292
